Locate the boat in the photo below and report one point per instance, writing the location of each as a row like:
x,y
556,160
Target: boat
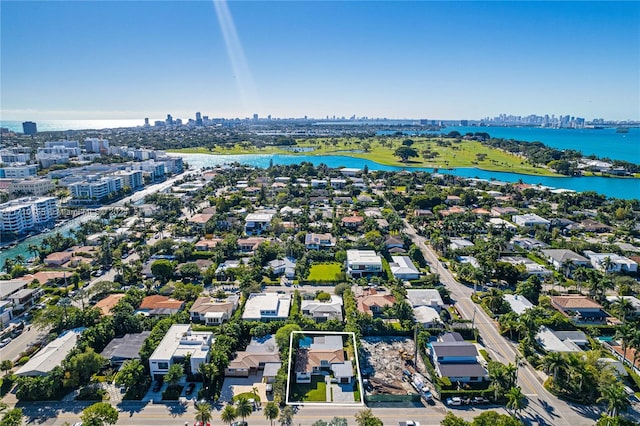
x,y
622,130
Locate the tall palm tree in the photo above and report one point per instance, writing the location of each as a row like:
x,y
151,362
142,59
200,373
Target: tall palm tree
x,y
515,399
554,363
243,408
203,412
271,411
625,333
623,307
228,414
615,397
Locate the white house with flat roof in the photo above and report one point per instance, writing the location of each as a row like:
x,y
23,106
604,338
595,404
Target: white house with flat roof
x,y
179,342
616,263
530,220
256,223
363,262
267,307
51,355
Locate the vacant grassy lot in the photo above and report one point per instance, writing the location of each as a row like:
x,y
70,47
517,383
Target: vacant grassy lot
x,y
324,271
316,391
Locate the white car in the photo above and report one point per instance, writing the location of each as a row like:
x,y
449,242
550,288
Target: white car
x,y
5,342
456,400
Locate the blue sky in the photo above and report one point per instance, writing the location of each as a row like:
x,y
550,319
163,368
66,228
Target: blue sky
x,y
418,59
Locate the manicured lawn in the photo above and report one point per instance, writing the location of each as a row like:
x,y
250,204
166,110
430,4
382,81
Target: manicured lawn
x,y
324,271
316,391
445,153
247,395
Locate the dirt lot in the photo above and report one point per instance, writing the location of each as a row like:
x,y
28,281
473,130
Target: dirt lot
x,y
382,364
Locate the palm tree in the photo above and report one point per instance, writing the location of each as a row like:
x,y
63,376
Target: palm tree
x,y
554,363
615,397
243,407
229,414
625,333
515,399
271,411
494,299
623,307
203,412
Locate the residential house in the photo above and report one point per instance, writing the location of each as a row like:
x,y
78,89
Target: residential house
x,y
402,268
459,243
214,311
530,220
425,297
392,242
58,258
518,303
160,305
319,241
124,348
531,267
248,245
457,359
176,346
6,313
562,259
363,263
580,309
224,269
267,307
325,355
25,298
352,222
526,243
286,267
561,341
498,211
207,244
323,311
52,355
633,301
260,355
590,225
257,223
200,219
107,304
611,262
371,302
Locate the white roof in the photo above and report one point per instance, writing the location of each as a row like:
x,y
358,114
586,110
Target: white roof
x,y
424,297
634,301
180,340
518,303
426,315
402,265
51,355
262,306
363,257
552,343
259,217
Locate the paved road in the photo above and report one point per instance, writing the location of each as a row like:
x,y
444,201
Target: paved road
x,y
179,414
542,406
18,345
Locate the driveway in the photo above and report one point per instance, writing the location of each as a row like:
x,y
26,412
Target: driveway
x,y
237,385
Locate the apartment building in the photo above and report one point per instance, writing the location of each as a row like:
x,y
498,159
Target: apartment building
x,y
27,213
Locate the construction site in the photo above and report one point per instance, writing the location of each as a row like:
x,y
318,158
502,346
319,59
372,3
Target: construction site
x,y
388,365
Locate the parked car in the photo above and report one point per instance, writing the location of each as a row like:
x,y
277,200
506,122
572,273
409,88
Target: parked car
x,y
5,342
479,400
456,400
190,389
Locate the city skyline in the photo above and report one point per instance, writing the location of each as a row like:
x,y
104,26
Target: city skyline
x,y
399,60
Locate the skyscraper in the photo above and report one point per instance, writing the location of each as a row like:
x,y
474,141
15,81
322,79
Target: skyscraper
x,y
198,119
29,128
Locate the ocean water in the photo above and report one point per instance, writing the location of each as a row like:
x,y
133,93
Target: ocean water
x,y
625,188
